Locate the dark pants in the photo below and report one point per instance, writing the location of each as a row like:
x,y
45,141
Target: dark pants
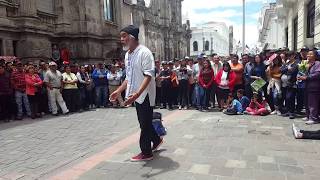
x,y
290,99
310,134
222,95
167,93
158,96
213,94
248,90
34,104
207,93
5,101
314,105
183,92
191,94
175,95
300,99
71,97
83,98
43,100
148,134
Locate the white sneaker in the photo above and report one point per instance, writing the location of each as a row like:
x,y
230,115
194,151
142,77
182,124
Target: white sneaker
x,y
273,112
279,113
310,122
180,107
296,132
305,119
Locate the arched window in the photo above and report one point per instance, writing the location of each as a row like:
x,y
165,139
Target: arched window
x,y
195,46
206,46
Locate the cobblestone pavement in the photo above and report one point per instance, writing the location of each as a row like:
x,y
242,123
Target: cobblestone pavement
x,y
198,146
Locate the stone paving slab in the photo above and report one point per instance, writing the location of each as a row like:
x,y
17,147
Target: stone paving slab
x,y
33,149
218,147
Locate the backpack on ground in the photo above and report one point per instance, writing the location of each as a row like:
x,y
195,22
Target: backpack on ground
x,y
157,124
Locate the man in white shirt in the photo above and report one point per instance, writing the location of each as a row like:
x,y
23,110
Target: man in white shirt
x,y
140,88
53,79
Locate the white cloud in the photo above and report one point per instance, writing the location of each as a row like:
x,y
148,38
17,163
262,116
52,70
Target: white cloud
x,y
224,15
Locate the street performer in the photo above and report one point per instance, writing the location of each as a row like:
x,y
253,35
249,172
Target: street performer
x,y
140,89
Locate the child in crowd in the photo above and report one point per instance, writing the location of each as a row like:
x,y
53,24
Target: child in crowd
x,y
258,107
244,100
235,107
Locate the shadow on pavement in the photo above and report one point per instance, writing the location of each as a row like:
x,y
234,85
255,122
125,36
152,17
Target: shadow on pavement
x,y
160,165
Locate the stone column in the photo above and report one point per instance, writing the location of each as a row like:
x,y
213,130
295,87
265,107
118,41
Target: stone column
x,y
27,8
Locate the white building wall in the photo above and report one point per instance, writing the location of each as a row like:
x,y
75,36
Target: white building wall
x,y
290,29
219,44
301,24
317,24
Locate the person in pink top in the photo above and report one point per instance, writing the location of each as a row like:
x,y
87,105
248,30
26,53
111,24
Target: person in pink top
x,y
33,84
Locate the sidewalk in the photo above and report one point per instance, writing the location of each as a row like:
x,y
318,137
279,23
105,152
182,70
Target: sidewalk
x,y
214,146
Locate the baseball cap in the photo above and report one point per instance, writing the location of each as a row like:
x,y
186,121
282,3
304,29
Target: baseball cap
x,y
52,63
304,48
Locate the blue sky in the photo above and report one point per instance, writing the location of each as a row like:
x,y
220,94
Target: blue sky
x,y
228,11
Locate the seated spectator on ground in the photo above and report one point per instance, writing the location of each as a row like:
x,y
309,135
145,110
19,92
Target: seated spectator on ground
x,y
235,106
244,100
257,107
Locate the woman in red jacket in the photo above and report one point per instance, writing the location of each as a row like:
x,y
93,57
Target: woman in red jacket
x,y
206,79
225,80
33,83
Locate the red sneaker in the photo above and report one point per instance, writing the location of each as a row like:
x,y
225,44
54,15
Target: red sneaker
x,y
142,157
155,147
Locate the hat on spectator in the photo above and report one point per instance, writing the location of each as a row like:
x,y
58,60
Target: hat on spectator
x,y
200,57
52,63
132,30
170,63
164,63
304,48
187,58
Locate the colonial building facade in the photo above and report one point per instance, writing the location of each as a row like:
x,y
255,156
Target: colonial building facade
x,y
161,26
88,30
271,28
298,23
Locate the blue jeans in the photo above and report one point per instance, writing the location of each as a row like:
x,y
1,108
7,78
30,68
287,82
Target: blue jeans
x,y
276,96
22,99
196,95
101,95
203,93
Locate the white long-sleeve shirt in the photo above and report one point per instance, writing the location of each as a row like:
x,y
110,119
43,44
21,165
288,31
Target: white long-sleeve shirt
x,y
140,63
